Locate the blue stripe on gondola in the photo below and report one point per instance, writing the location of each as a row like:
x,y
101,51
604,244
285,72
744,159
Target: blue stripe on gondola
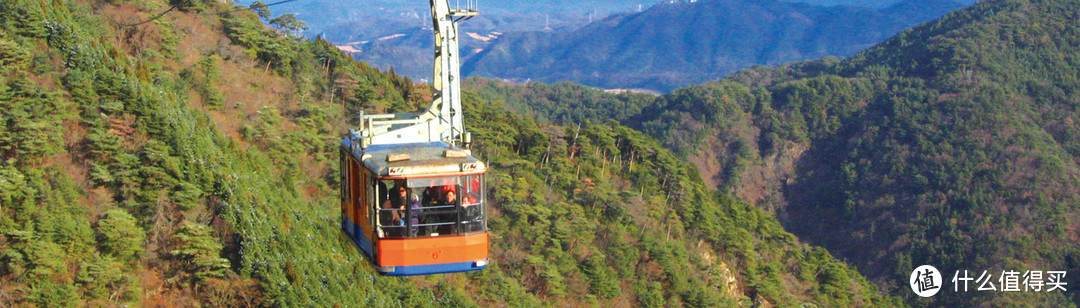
x,y
359,237
434,269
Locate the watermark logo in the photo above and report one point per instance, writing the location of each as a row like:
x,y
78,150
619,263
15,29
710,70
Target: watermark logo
x,y
1012,281
925,281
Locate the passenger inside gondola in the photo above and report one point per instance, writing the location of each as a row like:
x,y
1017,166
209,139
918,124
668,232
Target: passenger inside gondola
x,y
391,211
448,215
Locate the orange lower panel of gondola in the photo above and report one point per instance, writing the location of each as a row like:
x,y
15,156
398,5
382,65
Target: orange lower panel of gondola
x,y
421,256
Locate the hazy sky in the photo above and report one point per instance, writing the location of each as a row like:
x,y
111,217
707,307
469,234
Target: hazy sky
x,y
866,3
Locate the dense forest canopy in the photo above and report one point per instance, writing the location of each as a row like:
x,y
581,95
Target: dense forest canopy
x,y
190,160
952,144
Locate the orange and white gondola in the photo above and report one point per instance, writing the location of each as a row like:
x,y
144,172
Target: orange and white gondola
x,y
412,193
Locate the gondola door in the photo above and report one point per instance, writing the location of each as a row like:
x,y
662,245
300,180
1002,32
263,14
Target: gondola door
x,y
358,205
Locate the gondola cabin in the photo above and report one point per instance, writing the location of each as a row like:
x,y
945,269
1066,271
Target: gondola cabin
x,y
415,208
411,199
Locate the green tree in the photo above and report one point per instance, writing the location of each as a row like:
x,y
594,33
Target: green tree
x,y
288,22
13,58
120,235
104,277
261,9
200,252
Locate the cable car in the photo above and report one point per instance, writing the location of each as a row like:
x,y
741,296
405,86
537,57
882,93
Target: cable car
x,y
412,193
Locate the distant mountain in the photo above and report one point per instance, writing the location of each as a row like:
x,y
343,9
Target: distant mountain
x,y
863,3
397,33
342,22
953,144
675,44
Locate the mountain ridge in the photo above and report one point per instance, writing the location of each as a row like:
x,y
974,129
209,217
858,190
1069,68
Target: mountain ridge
x,y
655,50
191,160
951,144
948,144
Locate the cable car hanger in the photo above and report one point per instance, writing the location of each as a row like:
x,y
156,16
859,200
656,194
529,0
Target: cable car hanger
x,y
433,218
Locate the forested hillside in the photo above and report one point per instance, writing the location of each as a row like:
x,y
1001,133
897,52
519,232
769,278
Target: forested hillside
x,y
679,43
188,158
953,144
563,103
